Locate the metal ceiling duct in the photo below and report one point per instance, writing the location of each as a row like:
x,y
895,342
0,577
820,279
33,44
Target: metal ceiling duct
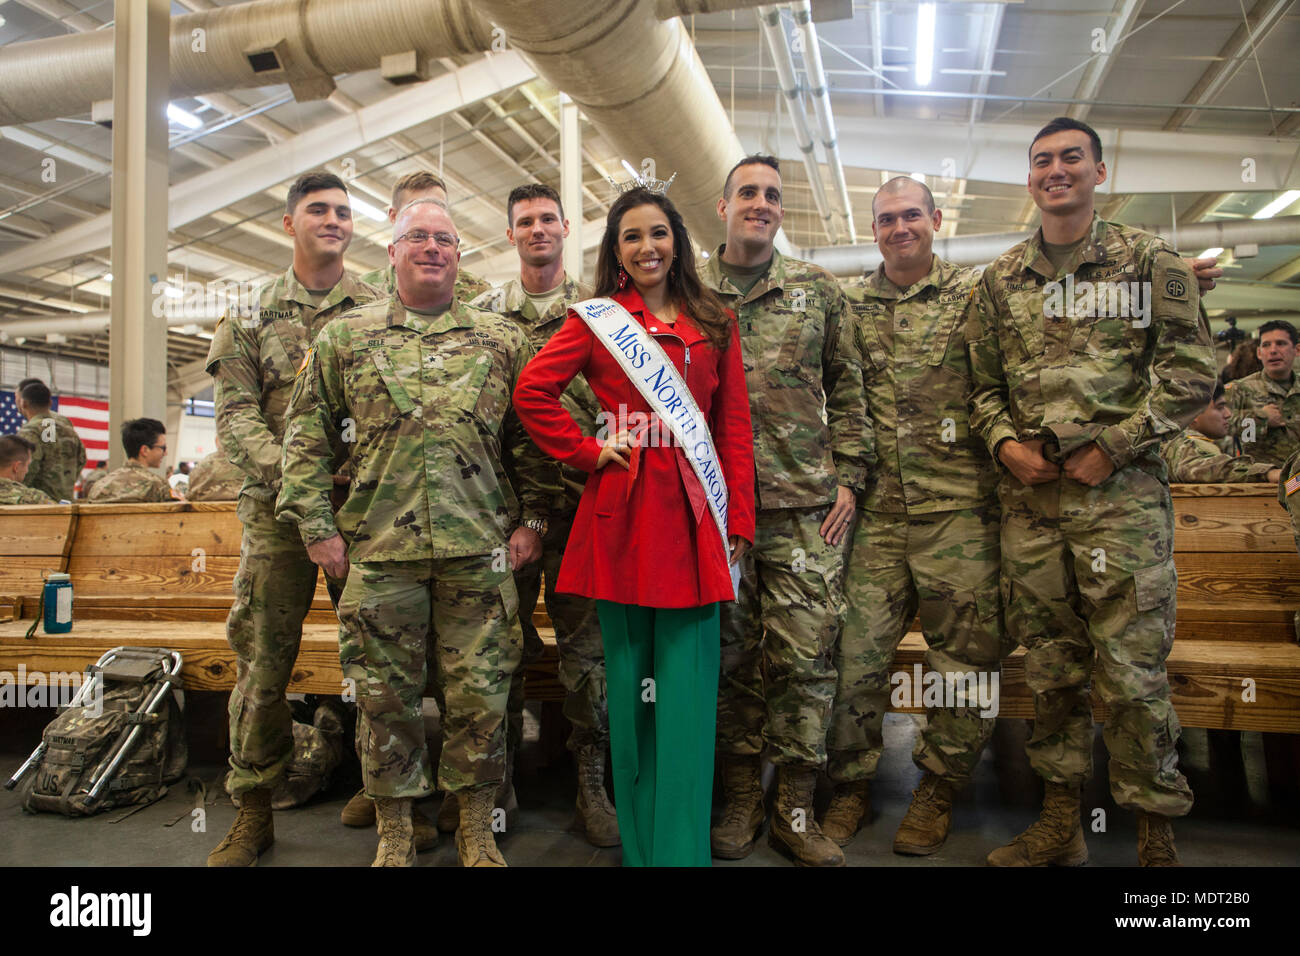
x,y
778,44
982,249
639,80
304,43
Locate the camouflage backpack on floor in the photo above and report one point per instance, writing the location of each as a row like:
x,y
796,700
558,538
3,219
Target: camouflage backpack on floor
x,y
82,739
321,730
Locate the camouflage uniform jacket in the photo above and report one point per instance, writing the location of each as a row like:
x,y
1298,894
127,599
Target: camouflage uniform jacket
x,y
804,373
1197,459
578,399
254,359
214,479
58,457
1246,400
468,285
15,493
1125,383
132,482
421,406
917,379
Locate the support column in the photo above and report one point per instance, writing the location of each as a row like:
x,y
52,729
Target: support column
x,y
138,338
571,184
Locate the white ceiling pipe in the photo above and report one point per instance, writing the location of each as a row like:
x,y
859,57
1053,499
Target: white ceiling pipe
x,y
812,59
94,323
314,40
778,45
640,82
979,250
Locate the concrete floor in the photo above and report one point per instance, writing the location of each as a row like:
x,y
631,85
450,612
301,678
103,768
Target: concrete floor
x,y
1240,819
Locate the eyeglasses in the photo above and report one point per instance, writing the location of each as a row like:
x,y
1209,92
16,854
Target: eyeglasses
x,y
419,237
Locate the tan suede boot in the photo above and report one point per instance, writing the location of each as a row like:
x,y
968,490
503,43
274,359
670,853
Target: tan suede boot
x,y
925,825
475,843
360,812
596,817
1054,839
742,807
396,834
850,807
1156,840
795,832
448,813
250,834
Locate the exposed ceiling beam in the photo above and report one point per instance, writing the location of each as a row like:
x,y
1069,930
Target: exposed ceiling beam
x,y
211,191
1122,18
1263,17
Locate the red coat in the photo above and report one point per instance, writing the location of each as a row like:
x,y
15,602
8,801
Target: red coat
x,y
649,539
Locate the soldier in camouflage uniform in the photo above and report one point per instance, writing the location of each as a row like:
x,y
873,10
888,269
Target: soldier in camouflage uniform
x,y
415,390
812,450
214,478
1265,406
255,354
1195,456
59,455
927,529
538,301
422,185
145,443
15,457
1074,389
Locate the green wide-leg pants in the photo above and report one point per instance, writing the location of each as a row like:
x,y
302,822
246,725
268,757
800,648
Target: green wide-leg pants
x,y
661,672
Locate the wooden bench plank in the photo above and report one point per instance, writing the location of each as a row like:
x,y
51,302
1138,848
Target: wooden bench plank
x,y
1252,524
112,534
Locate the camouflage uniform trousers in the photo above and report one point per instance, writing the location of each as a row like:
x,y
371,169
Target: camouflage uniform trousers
x,y
1088,576
946,564
274,588
777,680
577,637
394,616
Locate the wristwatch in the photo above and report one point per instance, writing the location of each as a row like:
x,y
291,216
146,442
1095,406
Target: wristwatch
x,y
536,524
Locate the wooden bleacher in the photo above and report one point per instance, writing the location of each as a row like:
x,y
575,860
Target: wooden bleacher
x,y
138,579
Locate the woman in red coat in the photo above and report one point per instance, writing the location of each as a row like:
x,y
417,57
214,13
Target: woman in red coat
x,y
644,543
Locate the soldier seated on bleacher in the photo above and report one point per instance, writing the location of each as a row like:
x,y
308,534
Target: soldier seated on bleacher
x,y
15,456
1195,457
145,442
214,478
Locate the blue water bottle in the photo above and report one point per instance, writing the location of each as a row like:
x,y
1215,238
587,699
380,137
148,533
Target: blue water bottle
x,y
58,603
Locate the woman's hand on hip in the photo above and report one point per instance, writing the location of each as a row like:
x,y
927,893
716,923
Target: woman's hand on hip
x,y
615,449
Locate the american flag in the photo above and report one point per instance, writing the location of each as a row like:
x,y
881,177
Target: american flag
x,y
88,415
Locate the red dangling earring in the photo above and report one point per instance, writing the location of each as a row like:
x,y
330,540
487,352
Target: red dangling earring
x,y
622,277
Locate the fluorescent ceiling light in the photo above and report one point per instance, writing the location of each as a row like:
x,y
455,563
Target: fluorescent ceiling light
x,y
107,277
1213,253
1278,204
367,210
177,115
919,177
924,44
631,172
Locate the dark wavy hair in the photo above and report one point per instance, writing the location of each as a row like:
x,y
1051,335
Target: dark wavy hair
x,y
684,286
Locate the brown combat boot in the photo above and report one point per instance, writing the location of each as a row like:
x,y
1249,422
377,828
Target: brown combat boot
x,y
849,809
925,825
742,807
449,810
396,834
795,832
360,812
1156,840
449,813
1054,839
250,834
596,817
475,844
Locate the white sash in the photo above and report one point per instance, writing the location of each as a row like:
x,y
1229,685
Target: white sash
x,y
650,369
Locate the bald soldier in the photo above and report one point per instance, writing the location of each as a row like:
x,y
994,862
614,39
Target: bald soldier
x,y
927,532
415,391
812,452
58,454
15,457
1088,350
254,357
413,186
